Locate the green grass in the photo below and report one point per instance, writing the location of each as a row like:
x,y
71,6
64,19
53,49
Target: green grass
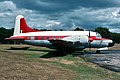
x,y
80,66
83,68
88,73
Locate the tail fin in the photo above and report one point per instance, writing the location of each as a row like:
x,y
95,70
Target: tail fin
x,y
21,26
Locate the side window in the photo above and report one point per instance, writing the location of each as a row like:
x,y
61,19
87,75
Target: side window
x,y
31,37
36,37
28,38
47,37
53,37
41,37
59,37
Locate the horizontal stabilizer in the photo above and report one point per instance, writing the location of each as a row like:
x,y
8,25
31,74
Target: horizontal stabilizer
x,y
16,38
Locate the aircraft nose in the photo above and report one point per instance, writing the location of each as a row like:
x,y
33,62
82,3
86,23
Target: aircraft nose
x,y
111,44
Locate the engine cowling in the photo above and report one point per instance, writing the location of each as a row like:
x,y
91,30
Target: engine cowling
x,y
83,39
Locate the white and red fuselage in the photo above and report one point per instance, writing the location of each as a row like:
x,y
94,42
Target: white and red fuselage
x,y
76,40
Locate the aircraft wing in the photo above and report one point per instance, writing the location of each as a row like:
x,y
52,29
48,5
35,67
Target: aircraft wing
x,y
71,41
62,43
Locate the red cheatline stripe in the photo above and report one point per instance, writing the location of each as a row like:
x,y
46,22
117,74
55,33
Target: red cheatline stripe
x,y
92,38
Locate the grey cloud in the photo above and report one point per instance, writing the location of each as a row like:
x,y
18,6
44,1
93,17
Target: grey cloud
x,y
83,13
53,6
90,18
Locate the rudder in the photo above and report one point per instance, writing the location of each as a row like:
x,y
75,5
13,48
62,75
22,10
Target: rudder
x,y
21,26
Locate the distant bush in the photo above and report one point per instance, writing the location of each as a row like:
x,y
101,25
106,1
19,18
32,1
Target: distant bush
x,y
107,34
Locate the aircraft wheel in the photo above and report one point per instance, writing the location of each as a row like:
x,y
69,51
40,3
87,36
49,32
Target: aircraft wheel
x,y
98,51
67,52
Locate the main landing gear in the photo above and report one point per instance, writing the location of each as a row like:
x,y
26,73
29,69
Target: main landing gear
x,y
98,52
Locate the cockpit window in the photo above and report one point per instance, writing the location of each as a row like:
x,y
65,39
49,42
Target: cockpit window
x,y
98,35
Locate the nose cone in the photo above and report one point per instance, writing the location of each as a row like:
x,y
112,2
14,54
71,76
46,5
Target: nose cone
x,y
111,43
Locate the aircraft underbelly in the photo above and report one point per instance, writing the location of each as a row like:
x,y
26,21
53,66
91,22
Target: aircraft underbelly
x,y
46,43
98,44
42,43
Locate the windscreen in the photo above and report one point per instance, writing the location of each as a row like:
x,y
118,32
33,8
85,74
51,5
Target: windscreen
x,y
98,35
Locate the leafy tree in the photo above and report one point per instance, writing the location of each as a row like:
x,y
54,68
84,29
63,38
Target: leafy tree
x,y
61,29
45,30
103,31
115,37
5,33
107,34
78,29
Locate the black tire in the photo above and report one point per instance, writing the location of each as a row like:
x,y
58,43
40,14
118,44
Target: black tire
x,y
69,50
98,52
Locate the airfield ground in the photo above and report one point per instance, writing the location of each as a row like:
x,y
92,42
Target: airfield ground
x,y
38,63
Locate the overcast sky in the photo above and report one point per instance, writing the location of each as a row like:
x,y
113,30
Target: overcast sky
x,y
62,14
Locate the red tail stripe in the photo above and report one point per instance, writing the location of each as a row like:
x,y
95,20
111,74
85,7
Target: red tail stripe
x,y
24,27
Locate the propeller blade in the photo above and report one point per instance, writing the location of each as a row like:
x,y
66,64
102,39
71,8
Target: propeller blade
x,y
89,41
101,42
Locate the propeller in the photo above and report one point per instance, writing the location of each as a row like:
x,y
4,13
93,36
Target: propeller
x,y
101,42
89,41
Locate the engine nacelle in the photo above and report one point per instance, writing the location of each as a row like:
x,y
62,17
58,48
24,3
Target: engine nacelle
x,y
83,39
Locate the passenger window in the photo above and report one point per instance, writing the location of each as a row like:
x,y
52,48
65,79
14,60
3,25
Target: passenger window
x,y
59,37
32,38
47,37
53,37
36,37
41,37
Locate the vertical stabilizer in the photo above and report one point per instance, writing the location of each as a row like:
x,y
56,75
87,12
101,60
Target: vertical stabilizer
x,y
24,27
21,26
17,25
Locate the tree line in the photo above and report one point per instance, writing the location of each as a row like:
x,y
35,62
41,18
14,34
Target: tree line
x,y
107,34
6,33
